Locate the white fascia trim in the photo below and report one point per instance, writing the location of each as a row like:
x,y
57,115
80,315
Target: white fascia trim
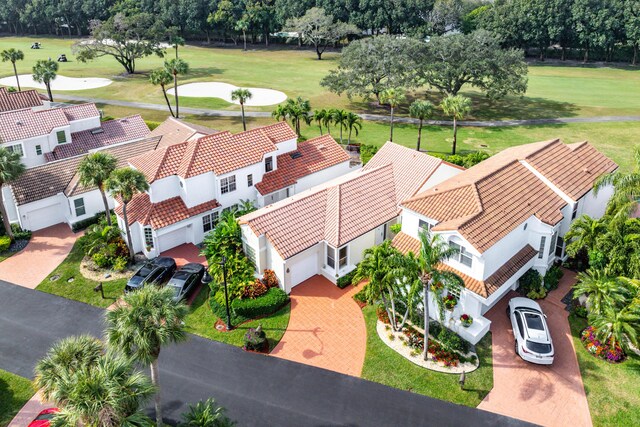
x,y
548,183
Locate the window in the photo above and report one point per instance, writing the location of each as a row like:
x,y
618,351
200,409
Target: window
x,y
38,150
424,225
231,208
463,257
228,184
520,325
250,180
342,257
148,237
268,164
79,205
574,214
17,148
62,137
552,246
543,241
331,257
251,253
560,247
209,221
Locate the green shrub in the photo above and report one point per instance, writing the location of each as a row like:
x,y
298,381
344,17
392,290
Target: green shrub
x,y
152,124
346,280
360,296
451,341
101,260
5,242
120,263
367,152
255,339
530,281
552,278
19,233
268,303
580,311
396,228
539,293
81,225
465,160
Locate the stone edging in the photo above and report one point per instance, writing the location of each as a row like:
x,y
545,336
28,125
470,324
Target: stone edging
x,y
405,351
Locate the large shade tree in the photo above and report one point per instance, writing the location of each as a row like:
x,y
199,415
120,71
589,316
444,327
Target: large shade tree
x,y
148,320
457,107
175,67
11,168
45,71
94,171
13,55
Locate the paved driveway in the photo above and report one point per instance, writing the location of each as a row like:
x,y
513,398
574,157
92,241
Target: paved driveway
x,y
185,254
550,396
46,250
326,328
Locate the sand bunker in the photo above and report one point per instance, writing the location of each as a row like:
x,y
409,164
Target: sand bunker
x,y
259,96
60,83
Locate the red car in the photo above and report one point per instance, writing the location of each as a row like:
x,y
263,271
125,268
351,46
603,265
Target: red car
x,y
43,418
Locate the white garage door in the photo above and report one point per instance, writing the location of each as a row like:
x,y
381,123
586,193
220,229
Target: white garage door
x,y
303,268
172,239
44,217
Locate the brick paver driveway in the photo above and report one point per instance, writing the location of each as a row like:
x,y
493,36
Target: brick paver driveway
x,y
185,254
326,328
547,395
46,250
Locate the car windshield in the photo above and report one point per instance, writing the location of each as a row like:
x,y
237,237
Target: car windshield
x,y
145,270
534,321
45,417
538,347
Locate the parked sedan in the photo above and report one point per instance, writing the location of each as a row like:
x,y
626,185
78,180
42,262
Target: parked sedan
x,y
529,324
186,280
44,418
153,272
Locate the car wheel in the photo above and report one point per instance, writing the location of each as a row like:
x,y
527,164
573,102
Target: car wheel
x,y
516,348
508,312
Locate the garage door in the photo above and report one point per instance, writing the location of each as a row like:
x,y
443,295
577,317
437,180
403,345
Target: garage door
x,y
44,217
303,268
172,239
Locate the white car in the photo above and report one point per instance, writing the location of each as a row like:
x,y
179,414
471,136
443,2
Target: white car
x,y
531,332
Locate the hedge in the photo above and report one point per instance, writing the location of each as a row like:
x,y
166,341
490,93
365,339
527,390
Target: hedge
x,y
5,242
151,124
81,225
268,303
346,280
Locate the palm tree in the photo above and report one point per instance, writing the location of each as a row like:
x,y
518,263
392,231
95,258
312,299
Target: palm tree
x,y
147,320
601,291
433,252
353,123
421,110
94,170
126,183
584,233
328,119
13,55
339,118
626,189
299,110
241,95
206,414
10,169
615,325
176,66
319,116
242,26
45,71
457,107
162,78
91,386
392,97
281,113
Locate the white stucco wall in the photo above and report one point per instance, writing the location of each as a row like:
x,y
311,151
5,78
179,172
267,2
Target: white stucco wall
x,y
85,124
243,191
593,205
442,173
199,189
322,176
93,204
286,146
30,158
43,213
163,189
9,204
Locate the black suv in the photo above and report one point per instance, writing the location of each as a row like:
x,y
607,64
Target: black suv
x,y
153,272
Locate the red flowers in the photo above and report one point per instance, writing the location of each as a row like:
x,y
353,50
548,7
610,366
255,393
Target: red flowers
x,y
450,302
609,351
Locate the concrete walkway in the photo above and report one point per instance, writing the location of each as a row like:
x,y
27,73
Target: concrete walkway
x,y
326,328
46,250
547,395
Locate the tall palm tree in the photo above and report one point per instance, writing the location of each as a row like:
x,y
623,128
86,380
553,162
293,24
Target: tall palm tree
x,y
299,110
601,291
339,118
280,113
319,116
421,110
242,26
353,123
13,55
91,386
206,414
433,252
584,233
328,119
620,325
126,183
10,169
393,98
162,78
176,66
457,107
94,170
148,320
241,95
626,189
45,71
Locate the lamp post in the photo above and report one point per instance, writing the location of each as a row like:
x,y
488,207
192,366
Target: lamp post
x,y
223,264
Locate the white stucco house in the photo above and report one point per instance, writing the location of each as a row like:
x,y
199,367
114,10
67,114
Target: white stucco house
x,y
324,230
504,216
193,181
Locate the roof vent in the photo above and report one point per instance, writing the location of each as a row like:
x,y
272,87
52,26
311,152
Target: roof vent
x,y
296,155
18,123
586,170
97,131
321,147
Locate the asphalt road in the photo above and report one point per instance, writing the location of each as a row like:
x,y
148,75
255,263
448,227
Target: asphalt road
x,y
257,390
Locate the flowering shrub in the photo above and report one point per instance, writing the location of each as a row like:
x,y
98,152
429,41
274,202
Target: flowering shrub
x,y
437,287
439,354
383,316
270,279
449,302
254,289
255,339
466,320
609,351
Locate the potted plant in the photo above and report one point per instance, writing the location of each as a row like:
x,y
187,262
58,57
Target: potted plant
x,y
449,302
466,320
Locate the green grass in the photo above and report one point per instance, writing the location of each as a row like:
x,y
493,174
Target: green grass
x,y
201,321
81,288
613,390
15,391
385,366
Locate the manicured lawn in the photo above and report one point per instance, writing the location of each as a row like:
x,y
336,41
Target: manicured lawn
x,y
81,288
613,391
15,391
201,321
385,366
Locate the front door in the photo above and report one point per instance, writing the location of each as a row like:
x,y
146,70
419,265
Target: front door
x,y
381,234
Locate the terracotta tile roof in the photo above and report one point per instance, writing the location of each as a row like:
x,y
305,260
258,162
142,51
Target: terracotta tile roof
x,y
405,243
111,132
221,153
174,131
161,214
311,156
81,112
56,177
24,124
10,101
340,210
489,200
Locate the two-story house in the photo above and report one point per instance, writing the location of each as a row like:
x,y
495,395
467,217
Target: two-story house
x,y
504,216
193,181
